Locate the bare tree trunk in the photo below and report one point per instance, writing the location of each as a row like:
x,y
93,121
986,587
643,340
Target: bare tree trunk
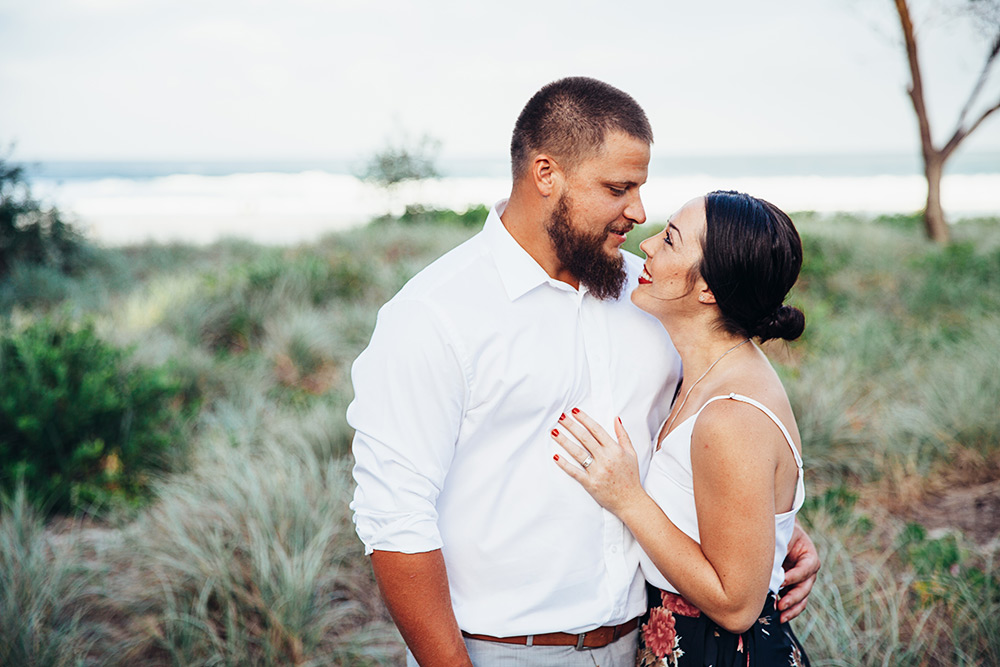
x,y
934,159
934,222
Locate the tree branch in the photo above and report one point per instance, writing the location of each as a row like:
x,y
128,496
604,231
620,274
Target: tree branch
x,y
983,75
961,134
916,89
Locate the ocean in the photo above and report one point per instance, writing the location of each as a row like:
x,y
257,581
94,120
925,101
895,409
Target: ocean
x,y
286,202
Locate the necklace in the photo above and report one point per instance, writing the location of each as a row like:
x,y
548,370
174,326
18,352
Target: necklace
x,y
691,388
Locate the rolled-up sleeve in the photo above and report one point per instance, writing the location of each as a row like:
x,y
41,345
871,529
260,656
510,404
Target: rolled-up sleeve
x,y
410,388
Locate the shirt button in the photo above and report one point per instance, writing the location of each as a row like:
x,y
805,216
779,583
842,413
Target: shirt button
x,y
614,549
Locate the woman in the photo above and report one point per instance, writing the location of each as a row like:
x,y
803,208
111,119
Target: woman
x,y
725,480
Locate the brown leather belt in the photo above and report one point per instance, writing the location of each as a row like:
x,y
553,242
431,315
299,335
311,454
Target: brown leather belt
x,y
594,639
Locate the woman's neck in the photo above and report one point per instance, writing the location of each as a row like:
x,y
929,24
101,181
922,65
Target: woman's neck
x,y
700,348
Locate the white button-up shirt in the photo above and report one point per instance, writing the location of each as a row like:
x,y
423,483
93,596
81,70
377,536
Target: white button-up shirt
x,y
467,372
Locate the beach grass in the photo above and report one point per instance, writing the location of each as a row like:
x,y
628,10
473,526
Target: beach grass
x,y
247,555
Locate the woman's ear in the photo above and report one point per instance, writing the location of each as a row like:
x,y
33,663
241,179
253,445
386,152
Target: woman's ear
x,y
706,296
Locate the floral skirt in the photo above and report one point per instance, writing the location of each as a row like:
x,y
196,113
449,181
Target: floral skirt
x,y
676,634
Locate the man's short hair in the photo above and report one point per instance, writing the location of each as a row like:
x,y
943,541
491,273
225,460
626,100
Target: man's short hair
x,y
569,118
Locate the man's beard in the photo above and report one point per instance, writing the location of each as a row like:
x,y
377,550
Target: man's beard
x,y
584,255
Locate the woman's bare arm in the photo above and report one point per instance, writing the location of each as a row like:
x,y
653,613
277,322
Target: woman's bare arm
x,y
727,575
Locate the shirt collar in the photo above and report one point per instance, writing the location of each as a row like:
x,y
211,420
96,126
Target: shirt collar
x,y
518,270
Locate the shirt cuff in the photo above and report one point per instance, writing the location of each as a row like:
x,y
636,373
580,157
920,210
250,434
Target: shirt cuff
x,y
407,534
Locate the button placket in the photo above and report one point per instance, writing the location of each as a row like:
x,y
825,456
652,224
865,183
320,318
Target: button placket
x,y
597,343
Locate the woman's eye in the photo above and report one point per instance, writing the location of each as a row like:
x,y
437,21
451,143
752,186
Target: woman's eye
x,y
667,239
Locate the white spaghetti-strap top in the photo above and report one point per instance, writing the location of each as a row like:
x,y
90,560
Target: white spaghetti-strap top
x,y
671,484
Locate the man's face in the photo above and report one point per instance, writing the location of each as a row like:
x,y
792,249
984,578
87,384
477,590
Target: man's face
x,y
598,206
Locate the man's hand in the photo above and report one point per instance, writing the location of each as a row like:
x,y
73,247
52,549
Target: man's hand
x,y
415,590
801,565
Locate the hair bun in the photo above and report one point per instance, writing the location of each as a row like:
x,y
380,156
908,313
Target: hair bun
x,y
787,322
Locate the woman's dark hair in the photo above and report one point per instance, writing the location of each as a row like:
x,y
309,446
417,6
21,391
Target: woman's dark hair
x,y
752,255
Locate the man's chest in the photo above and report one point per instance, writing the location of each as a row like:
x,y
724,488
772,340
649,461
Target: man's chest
x,y
606,359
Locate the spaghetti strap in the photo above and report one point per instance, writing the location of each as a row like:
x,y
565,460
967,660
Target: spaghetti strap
x,y
767,411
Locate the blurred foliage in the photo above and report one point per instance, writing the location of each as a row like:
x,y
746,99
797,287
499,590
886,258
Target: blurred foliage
x,y
33,234
893,595
822,259
39,287
80,426
838,504
638,235
417,214
907,221
45,260
949,576
893,323
230,311
402,161
40,591
961,276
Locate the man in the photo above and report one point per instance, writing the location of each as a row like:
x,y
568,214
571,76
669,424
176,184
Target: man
x,y
484,551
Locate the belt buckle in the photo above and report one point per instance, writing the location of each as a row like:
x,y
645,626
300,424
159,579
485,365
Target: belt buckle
x,y
579,641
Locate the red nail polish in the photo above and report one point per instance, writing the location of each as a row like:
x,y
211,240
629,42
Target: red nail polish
x,y
619,420
562,416
555,432
555,457
575,410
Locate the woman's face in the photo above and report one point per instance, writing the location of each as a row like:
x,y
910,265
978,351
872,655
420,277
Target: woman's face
x,y
671,260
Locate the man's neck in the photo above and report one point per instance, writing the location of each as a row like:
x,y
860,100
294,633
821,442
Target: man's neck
x,y
525,222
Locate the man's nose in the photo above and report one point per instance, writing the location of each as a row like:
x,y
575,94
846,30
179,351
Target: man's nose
x,y
635,211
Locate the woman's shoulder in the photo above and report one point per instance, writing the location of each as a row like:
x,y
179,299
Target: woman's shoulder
x,y
745,412
726,421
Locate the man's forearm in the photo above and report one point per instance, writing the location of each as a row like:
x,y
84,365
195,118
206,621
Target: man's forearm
x,y
415,590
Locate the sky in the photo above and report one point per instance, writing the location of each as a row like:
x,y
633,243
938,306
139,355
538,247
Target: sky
x,y
340,79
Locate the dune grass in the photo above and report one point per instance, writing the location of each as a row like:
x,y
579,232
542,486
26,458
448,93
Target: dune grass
x,y
44,591
248,556
249,560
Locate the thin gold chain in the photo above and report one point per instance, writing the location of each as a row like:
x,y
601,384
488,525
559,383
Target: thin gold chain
x,y
691,388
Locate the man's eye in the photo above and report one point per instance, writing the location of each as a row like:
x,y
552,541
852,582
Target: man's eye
x,y
617,192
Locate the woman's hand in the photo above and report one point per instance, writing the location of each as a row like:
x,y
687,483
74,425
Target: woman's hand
x,y
611,475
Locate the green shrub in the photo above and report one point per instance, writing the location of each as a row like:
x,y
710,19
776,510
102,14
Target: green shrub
x,y
42,287
837,502
929,557
31,233
401,161
78,424
472,217
906,221
44,259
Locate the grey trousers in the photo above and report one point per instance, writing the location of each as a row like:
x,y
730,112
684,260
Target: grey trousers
x,y
493,654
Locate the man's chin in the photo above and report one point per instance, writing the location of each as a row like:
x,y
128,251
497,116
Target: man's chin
x,y
612,251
